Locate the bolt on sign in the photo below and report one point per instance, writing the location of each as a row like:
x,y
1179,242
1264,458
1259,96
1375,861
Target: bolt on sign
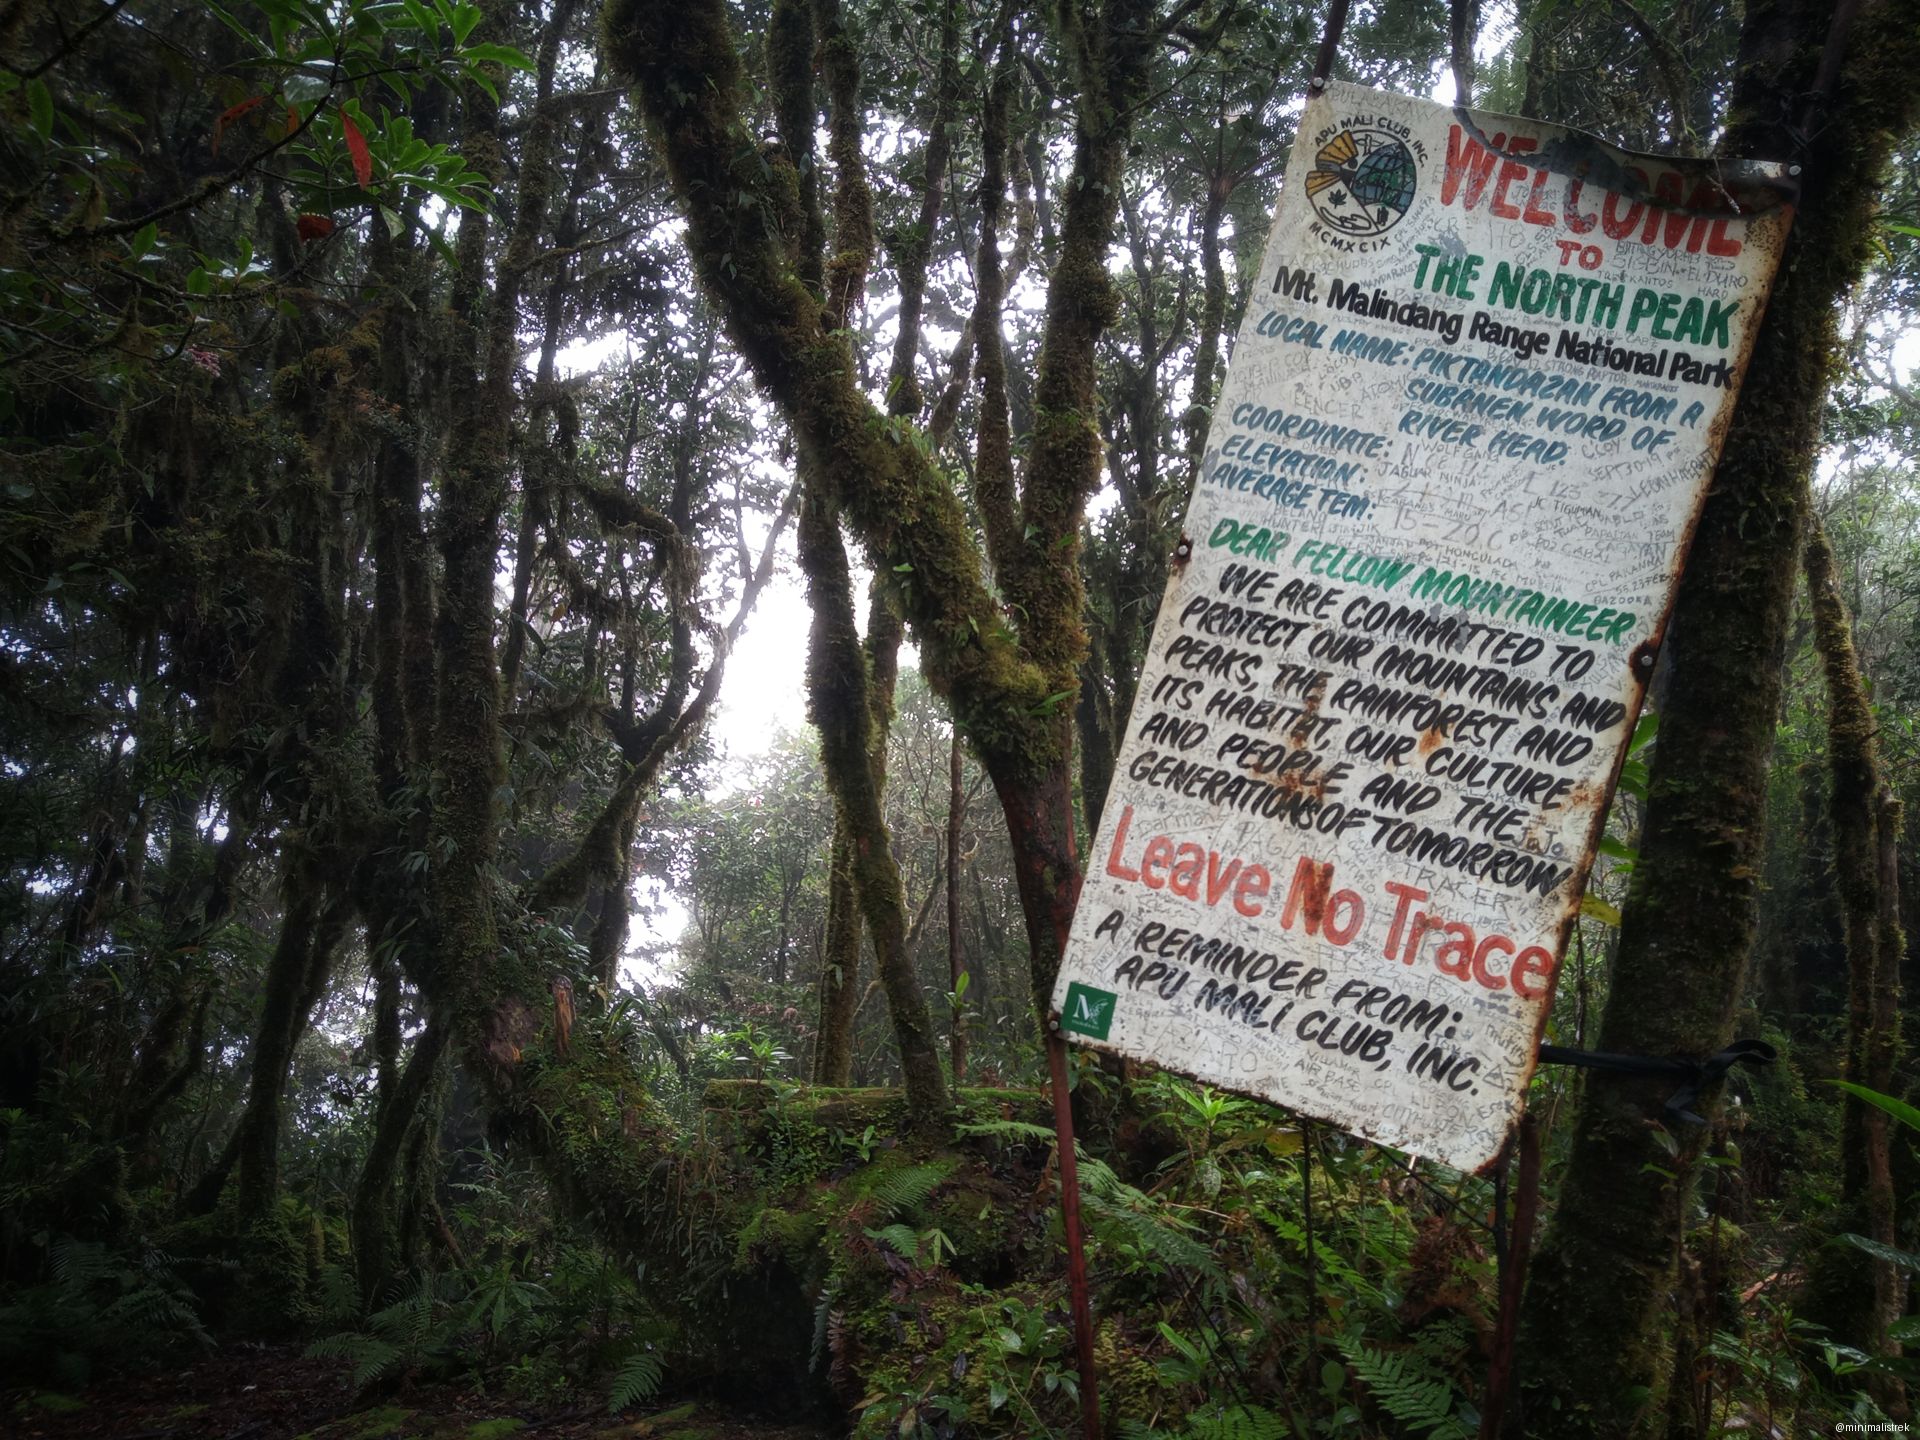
x,y
1482,380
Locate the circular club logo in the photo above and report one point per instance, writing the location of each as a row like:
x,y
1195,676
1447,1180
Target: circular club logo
x,y
1362,182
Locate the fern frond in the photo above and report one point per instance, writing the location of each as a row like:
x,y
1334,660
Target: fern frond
x,y
1329,1261
370,1357
1239,1422
637,1380
896,1190
829,1293
1024,1131
76,1264
1403,1386
902,1238
1169,1245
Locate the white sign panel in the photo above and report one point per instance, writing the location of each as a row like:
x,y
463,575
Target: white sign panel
x,y
1471,413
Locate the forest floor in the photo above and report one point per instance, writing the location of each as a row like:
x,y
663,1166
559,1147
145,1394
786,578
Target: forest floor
x,y
252,1392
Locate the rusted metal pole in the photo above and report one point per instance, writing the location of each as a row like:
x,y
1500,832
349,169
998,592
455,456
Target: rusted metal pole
x,y
1076,1249
1513,1279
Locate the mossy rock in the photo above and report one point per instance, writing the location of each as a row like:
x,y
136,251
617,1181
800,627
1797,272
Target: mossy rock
x,y
996,1230
774,1232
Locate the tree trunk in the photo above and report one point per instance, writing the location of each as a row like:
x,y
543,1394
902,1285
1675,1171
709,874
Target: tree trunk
x,y
296,977
837,699
956,952
377,1201
1595,1356
308,933
839,967
1857,1296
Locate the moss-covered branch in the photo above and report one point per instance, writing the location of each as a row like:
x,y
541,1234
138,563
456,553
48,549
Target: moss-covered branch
x,y
692,90
913,249
847,267
1111,49
993,480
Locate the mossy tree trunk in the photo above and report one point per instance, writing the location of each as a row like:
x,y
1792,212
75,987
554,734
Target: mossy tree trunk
x,y
1595,1356
839,967
1010,683
1856,1295
840,990
837,684
849,690
957,977
380,1195
912,254
476,954
311,926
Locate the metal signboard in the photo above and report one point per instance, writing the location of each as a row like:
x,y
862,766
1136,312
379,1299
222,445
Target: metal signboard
x,y
1476,397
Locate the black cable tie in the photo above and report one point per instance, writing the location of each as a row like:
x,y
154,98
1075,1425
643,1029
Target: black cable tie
x,y
1693,1075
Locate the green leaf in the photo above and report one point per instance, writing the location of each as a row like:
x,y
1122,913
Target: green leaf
x,y
1900,1110
143,239
40,108
498,55
462,20
1905,1259
1594,908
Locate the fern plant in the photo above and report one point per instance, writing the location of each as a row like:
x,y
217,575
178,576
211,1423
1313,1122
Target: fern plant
x,y
419,1331
1407,1389
95,1303
636,1381
1239,1422
1235,1422
1151,1235
896,1190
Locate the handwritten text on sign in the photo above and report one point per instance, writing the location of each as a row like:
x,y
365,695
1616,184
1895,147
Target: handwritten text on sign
x,y
1476,396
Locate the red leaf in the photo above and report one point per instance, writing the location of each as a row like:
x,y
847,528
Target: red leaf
x,y
293,120
357,150
232,113
313,227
